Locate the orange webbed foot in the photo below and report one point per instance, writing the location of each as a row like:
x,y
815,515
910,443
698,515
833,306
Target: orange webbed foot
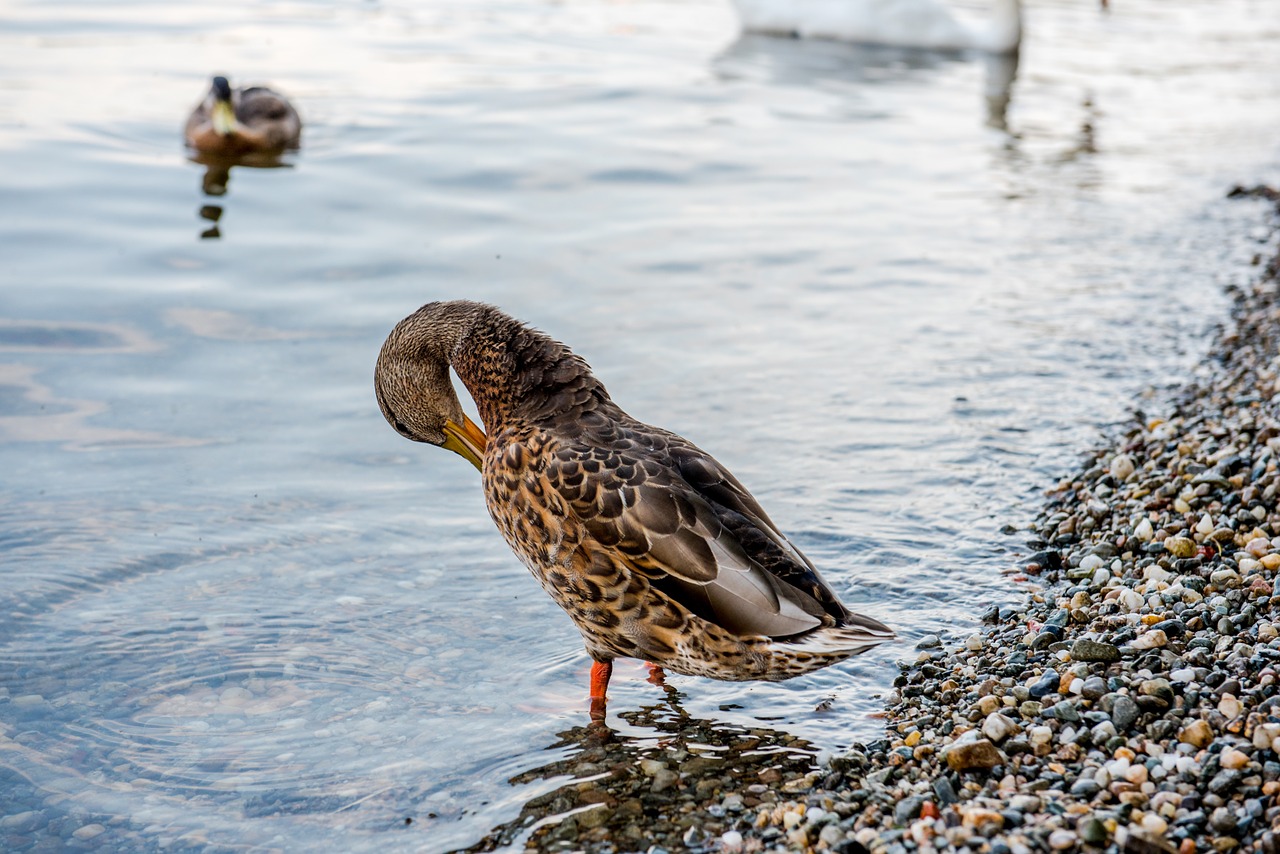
x,y
600,673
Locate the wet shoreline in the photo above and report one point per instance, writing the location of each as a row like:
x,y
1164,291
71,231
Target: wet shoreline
x,y
1131,702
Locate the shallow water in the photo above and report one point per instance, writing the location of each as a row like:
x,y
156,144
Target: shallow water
x,y
895,293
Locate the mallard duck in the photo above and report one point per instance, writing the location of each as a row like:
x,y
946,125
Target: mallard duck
x,y
236,122
653,548
927,24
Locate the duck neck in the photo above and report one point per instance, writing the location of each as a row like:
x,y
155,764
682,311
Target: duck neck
x,y
1004,30
514,372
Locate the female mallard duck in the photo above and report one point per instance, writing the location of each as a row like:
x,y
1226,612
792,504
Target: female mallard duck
x,y
652,547
242,121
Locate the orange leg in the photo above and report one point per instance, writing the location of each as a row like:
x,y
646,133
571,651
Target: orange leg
x,y
600,673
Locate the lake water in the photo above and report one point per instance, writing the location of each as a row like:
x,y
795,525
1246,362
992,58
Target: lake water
x,y
896,293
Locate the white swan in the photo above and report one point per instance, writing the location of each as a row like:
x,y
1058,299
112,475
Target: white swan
x,y
927,24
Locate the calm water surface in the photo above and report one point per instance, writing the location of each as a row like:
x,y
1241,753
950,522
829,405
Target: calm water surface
x,y
896,293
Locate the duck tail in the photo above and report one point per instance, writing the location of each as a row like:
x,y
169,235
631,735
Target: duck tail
x,y
858,633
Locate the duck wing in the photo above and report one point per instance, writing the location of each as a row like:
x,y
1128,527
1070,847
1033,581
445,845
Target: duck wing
x,y
672,513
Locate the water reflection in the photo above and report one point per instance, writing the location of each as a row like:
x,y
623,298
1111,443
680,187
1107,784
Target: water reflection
x,y
625,787
806,62
217,178
1001,71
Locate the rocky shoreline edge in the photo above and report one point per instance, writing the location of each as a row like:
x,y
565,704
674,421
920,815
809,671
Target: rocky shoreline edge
x,y
1132,703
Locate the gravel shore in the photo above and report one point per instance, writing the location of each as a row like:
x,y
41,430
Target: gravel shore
x,y
1131,703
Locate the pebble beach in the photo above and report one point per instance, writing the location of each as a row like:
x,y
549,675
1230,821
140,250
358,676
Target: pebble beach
x,y
1130,703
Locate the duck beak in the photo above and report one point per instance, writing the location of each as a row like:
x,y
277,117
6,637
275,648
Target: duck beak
x,y
224,118
466,440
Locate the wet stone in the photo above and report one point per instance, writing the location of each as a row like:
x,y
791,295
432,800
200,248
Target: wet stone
x,y
979,754
1093,831
1085,787
1045,685
1089,650
1065,710
907,809
1225,781
1094,688
1124,712
1171,628
944,791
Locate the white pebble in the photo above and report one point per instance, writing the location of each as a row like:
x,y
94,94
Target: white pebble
x,y
1264,734
974,643
1129,600
1230,707
1040,735
922,832
1143,531
1154,824
1153,639
1091,562
1205,525
997,727
1258,546
1122,466
1061,840
731,840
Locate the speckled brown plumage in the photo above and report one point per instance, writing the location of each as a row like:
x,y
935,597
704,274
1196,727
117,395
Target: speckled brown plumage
x,y
652,547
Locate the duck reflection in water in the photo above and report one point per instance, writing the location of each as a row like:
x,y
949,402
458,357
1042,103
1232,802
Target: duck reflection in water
x,y
251,127
622,787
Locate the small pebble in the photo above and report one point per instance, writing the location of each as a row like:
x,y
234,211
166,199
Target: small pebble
x,y
1061,840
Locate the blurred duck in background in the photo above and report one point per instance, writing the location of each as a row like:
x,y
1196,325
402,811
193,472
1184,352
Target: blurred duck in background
x,y
924,24
237,122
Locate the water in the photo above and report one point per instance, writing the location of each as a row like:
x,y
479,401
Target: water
x,y
895,295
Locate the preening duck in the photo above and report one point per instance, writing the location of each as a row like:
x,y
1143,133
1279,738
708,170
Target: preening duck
x,y
926,24
652,547
234,122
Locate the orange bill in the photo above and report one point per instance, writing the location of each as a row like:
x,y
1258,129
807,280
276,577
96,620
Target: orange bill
x,y
466,440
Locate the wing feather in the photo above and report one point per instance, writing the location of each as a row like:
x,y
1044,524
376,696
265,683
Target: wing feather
x,y
704,551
